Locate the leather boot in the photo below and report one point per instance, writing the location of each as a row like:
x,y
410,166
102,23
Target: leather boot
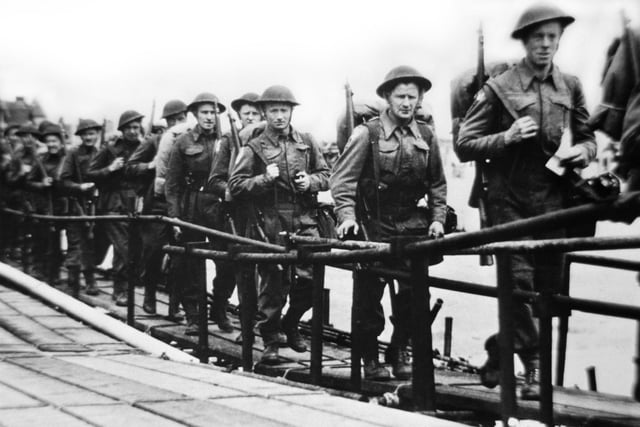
x,y
373,370
219,315
149,303
531,388
490,371
397,354
120,294
270,355
90,280
290,328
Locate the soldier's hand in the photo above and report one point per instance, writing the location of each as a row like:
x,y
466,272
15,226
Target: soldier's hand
x,y
87,186
348,226
302,181
47,182
25,169
152,164
177,233
523,128
576,157
117,164
436,230
272,172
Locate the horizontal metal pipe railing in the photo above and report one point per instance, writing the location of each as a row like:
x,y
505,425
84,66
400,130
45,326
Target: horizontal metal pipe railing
x,y
600,261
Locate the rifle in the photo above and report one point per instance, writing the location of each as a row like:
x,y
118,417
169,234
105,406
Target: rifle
x,y
235,141
103,132
152,117
350,109
481,178
79,204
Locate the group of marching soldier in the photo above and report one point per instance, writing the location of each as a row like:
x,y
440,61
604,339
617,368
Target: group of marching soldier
x,y
265,181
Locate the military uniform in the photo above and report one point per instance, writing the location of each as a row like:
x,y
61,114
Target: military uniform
x,y
117,196
80,253
188,199
518,183
281,208
48,201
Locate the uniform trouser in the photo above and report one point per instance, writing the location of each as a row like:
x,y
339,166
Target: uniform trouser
x,y
276,283
192,271
527,272
118,234
46,254
80,247
154,235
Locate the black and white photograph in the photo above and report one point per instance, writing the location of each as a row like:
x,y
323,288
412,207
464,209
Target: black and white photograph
x,y
295,213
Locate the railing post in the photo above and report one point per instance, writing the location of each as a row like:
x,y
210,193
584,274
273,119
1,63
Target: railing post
x,y
27,228
248,295
133,238
505,339
317,324
203,321
356,342
326,304
636,388
448,326
423,381
545,311
563,325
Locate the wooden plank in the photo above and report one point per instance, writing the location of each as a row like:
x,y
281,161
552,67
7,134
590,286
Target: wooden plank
x,y
12,398
189,387
86,336
47,389
214,376
32,331
30,417
6,309
375,414
292,414
123,389
59,321
207,413
119,415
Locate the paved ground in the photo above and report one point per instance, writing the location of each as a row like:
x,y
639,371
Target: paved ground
x,y
56,371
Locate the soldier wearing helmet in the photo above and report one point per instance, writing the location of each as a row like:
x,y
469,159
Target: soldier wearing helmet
x,y
73,177
47,199
250,114
389,164
280,172
514,127
141,167
9,197
189,198
117,194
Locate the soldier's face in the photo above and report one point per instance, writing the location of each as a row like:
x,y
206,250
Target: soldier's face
x,y
53,144
249,114
132,132
541,43
206,116
175,119
89,137
278,116
403,100
28,140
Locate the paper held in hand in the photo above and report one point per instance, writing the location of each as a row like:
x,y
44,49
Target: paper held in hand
x,y
554,164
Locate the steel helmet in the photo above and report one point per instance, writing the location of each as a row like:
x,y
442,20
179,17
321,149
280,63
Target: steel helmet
x,y
127,117
248,98
173,107
537,14
28,128
403,73
206,98
44,124
11,125
277,94
51,129
86,124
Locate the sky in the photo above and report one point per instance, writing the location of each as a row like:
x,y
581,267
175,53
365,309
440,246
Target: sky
x,y
96,59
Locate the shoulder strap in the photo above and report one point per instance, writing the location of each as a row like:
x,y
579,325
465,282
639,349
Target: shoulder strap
x,y
374,135
497,90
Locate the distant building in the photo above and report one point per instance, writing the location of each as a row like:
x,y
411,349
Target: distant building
x,y
19,111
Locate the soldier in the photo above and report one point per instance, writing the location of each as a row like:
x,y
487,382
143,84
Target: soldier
x,y
281,172
154,235
514,127
249,113
25,158
186,191
388,165
8,233
43,181
80,253
117,194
